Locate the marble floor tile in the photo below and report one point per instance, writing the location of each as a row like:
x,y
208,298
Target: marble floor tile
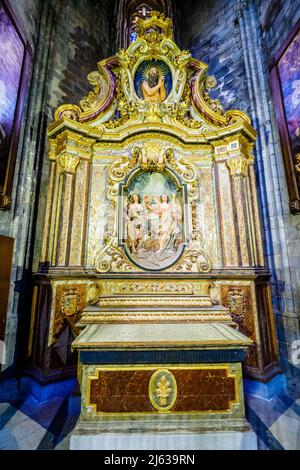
x,y
7,411
4,407
28,433
286,430
43,413
267,410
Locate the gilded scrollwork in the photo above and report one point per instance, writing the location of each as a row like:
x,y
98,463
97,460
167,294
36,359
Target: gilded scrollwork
x,y
182,166
237,304
120,169
162,390
93,293
100,83
195,258
151,288
117,102
125,110
153,156
69,302
113,101
214,104
112,258
115,136
96,102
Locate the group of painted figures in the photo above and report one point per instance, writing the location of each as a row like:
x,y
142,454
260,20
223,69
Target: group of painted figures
x,y
154,223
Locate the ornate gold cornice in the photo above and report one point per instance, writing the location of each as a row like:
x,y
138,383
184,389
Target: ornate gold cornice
x,y
67,148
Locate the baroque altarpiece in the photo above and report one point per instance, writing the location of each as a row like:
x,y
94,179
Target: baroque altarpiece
x,y
152,241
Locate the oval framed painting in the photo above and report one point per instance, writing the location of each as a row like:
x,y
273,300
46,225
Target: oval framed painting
x,y
153,81
152,219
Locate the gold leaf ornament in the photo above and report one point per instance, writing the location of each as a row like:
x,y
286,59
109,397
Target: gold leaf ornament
x,y
162,390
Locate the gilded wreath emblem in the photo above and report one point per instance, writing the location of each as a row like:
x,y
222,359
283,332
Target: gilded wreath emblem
x,y
162,390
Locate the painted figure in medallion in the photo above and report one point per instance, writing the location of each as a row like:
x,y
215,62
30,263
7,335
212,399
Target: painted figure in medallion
x,y
135,223
153,86
167,224
151,208
154,220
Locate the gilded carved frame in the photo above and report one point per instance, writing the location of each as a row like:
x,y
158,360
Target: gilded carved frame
x,y
184,202
113,256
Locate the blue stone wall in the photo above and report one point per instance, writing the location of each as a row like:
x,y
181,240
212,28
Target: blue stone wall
x,y
210,30
276,19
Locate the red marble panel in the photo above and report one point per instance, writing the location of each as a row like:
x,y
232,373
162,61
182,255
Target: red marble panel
x,y
126,391
121,391
204,390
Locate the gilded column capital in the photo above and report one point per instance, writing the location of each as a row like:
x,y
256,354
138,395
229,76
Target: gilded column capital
x,y
67,163
67,148
238,166
70,142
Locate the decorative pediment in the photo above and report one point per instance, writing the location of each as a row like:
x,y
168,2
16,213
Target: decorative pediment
x,y
152,82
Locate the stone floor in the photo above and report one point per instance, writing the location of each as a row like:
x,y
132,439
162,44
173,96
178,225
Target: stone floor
x,y
27,424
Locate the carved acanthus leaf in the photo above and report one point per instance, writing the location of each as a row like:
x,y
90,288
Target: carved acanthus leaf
x,y
113,259
194,259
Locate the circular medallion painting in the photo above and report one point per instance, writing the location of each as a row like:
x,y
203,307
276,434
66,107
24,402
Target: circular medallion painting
x,y
153,220
153,81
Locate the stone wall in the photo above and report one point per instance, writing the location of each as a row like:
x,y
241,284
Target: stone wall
x,y
210,30
238,39
83,36
67,39
28,14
